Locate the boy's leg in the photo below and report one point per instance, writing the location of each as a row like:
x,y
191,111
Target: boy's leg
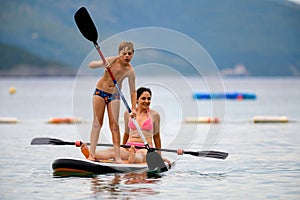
x,y
98,108
113,110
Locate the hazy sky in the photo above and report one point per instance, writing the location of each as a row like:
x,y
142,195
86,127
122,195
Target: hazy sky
x,y
296,1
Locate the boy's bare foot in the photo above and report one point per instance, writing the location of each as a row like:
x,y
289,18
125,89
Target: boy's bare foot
x,y
131,157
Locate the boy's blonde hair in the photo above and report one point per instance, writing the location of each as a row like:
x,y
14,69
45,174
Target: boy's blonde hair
x,y
126,46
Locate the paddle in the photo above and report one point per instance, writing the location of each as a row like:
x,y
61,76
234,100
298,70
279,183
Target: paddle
x,y
211,154
87,28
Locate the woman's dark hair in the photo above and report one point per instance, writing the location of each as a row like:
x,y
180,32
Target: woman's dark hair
x,y
141,90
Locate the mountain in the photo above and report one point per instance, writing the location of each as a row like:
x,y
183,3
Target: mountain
x,y
261,37
15,61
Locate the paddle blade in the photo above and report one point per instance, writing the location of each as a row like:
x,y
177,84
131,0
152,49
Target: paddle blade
x,y
86,25
154,161
211,154
51,141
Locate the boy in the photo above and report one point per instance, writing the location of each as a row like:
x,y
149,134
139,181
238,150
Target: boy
x,y
106,96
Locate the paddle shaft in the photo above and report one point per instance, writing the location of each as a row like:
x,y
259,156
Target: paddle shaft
x,y
212,154
53,141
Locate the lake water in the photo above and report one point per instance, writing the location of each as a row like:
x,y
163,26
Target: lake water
x,y
264,160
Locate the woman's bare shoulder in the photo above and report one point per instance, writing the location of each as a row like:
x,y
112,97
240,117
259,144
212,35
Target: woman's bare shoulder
x,y
154,113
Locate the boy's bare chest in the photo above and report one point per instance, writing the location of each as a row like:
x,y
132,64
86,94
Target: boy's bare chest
x,y
120,71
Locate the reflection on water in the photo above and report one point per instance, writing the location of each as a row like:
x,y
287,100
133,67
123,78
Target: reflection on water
x,y
210,175
130,184
124,185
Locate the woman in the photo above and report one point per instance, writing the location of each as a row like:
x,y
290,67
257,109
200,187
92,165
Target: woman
x,y
149,122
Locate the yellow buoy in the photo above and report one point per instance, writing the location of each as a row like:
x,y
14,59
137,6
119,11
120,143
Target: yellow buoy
x,y
270,119
8,120
201,120
12,90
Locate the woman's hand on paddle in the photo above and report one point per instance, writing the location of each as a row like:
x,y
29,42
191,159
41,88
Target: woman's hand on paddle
x,y
133,113
167,161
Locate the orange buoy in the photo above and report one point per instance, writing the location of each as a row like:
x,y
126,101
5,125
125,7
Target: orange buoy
x,y
65,120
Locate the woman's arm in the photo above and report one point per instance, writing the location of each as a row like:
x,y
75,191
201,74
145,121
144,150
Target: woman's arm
x,y
125,138
157,140
156,128
126,131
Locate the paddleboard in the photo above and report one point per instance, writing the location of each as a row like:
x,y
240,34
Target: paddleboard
x,y
77,166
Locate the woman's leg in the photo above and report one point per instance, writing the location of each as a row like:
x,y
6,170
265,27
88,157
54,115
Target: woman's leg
x,y
136,156
107,154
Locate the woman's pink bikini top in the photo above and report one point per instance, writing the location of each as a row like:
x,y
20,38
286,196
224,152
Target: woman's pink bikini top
x,y
147,125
